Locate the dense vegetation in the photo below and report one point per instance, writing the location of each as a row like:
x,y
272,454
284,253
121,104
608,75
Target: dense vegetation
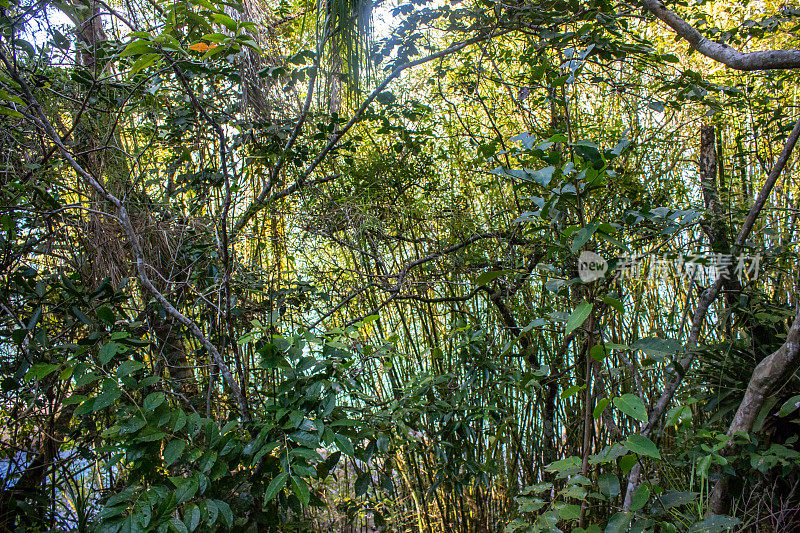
x,y
426,266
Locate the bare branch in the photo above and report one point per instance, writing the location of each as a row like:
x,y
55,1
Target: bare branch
x,y
43,123
766,60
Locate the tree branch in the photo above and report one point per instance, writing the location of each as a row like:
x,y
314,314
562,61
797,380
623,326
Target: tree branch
x,y
44,124
706,299
766,60
261,199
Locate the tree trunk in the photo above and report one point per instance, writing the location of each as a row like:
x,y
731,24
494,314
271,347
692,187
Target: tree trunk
x,y
769,375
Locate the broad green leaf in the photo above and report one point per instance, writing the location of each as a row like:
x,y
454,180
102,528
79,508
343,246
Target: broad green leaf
x,y
790,405
212,510
105,314
578,317
275,486
608,484
66,373
715,524
486,277
641,445
153,400
191,517
598,352
344,444
657,349
602,403
143,62
608,454
542,176
137,48
306,439
619,523
567,465
186,491
386,97
582,236
10,112
225,20
631,405
128,367
110,394
108,351
675,499
570,512
301,490
173,450
571,391
362,483
614,303
177,525
640,497
226,512
41,370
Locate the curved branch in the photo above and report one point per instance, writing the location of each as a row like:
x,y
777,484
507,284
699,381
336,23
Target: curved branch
x,y
261,200
766,60
40,120
706,299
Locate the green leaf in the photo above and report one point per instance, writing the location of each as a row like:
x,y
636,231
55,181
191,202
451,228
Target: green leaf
x,y
715,524
128,367
137,48
614,303
362,483
619,523
602,403
177,525
344,444
542,176
640,497
41,370
153,400
598,352
10,112
80,316
674,499
631,405
570,512
301,490
226,512
212,510
306,439
186,491
173,450
658,349
225,20
191,517
572,391
486,277
578,317
4,95
386,97
275,486
108,351
641,445
105,314
608,484
143,62
111,393
66,373
790,405
568,465
582,236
